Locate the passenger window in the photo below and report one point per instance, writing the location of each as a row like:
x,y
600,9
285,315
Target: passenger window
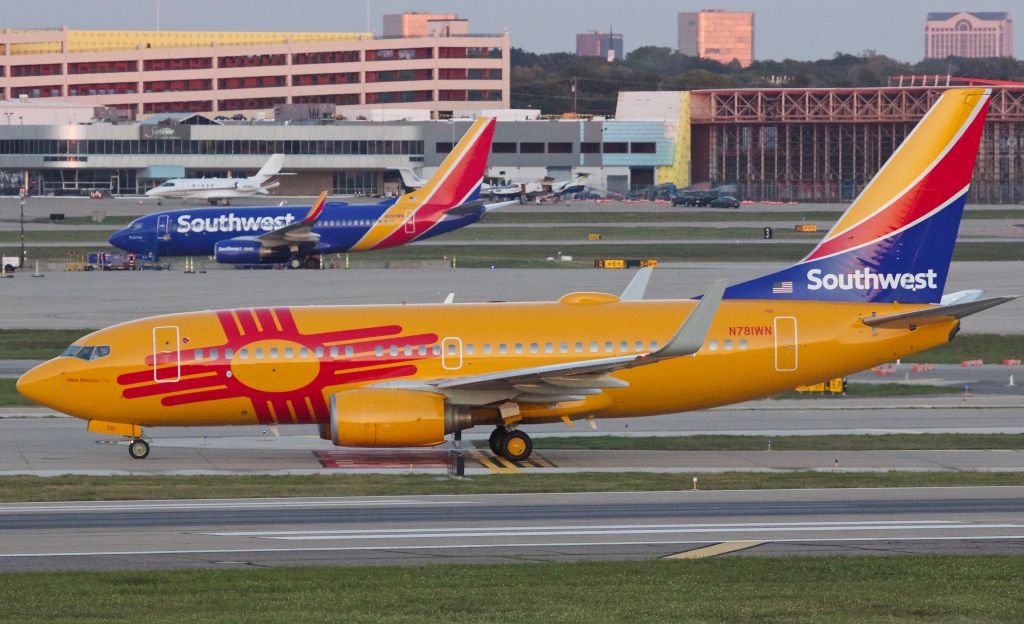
x,y
243,354
549,348
436,350
273,353
470,348
393,350
728,344
378,351
712,345
422,350
319,353
407,351
502,349
304,352
743,344
638,345
334,351
198,357
452,350
593,346
654,345
349,351
609,347
487,348
519,348
563,347
229,353
214,354
579,347
289,352
623,346
258,353
534,347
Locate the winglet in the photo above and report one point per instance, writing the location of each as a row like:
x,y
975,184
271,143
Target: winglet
x,y
690,337
316,209
637,286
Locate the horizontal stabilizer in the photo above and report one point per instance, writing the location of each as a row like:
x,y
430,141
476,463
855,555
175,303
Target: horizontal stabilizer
x,y
938,314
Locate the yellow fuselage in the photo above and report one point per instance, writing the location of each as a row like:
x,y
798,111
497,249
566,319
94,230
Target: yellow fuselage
x,y
285,363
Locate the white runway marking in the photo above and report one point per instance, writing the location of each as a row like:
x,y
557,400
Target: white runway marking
x,y
223,551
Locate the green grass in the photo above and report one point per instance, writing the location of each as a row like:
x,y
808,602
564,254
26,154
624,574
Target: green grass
x,y
78,487
891,442
841,590
992,348
9,396
37,344
111,221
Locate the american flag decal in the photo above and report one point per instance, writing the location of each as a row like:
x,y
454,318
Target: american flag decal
x,y
782,288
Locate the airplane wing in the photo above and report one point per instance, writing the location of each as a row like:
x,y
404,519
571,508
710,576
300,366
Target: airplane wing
x,y
298,231
572,381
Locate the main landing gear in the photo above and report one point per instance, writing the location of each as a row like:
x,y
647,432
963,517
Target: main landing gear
x,y
308,262
513,445
138,448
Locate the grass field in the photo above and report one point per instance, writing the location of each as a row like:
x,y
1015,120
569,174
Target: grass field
x,y
901,442
839,590
76,487
55,236
9,396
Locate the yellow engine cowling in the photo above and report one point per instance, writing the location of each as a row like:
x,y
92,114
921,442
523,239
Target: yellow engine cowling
x,y
391,417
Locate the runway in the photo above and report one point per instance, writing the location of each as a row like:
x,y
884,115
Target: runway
x,y
506,528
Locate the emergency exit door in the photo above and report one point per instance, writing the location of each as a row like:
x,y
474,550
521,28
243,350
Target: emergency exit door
x,y
785,343
166,354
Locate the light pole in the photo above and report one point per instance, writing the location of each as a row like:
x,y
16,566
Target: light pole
x,y
21,264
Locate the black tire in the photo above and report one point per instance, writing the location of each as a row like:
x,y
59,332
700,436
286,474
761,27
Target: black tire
x,y
495,439
312,263
295,263
516,446
8,268
138,449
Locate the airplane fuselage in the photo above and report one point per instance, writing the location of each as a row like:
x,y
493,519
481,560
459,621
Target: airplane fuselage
x,y
341,227
282,365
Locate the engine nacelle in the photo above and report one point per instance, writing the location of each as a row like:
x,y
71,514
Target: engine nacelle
x,y
391,417
244,250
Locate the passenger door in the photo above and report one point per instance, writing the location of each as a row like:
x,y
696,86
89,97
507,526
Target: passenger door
x,y
163,227
785,343
451,353
166,354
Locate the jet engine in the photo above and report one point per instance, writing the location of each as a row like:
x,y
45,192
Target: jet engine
x,y
244,250
392,417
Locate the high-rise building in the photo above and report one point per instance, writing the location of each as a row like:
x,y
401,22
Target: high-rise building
x,y
414,24
248,72
723,36
598,44
975,35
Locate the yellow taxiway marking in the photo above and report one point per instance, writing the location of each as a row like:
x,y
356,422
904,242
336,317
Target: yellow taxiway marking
x,y
714,550
494,463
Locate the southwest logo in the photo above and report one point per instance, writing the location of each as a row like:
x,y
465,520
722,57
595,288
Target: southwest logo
x,y
866,279
231,223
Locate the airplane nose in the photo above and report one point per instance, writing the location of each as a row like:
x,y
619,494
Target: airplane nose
x,y
39,384
118,239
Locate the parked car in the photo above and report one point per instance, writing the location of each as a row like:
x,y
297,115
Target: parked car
x,y
694,199
724,201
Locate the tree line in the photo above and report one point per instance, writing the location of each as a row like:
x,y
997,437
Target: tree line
x,y
544,81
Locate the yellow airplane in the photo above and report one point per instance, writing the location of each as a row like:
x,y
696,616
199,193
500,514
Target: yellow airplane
x,y
408,375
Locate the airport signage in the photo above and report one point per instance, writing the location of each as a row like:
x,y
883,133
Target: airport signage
x,y
165,133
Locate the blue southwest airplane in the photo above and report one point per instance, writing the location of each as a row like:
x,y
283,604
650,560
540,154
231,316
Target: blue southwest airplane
x,y
297,235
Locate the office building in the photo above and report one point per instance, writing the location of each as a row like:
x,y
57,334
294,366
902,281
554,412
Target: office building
x,y
973,35
598,44
723,36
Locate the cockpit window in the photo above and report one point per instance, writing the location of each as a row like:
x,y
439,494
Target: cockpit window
x,y
86,353
136,226
168,183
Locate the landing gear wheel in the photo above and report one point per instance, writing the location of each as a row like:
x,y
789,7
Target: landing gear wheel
x,y
495,440
312,263
295,263
516,446
138,449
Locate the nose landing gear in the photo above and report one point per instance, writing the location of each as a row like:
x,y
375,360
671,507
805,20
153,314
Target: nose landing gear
x,y
138,449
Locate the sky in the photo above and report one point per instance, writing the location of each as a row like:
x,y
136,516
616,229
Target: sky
x,y
797,29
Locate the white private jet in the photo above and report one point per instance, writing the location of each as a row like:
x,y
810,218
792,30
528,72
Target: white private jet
x,y
217,189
